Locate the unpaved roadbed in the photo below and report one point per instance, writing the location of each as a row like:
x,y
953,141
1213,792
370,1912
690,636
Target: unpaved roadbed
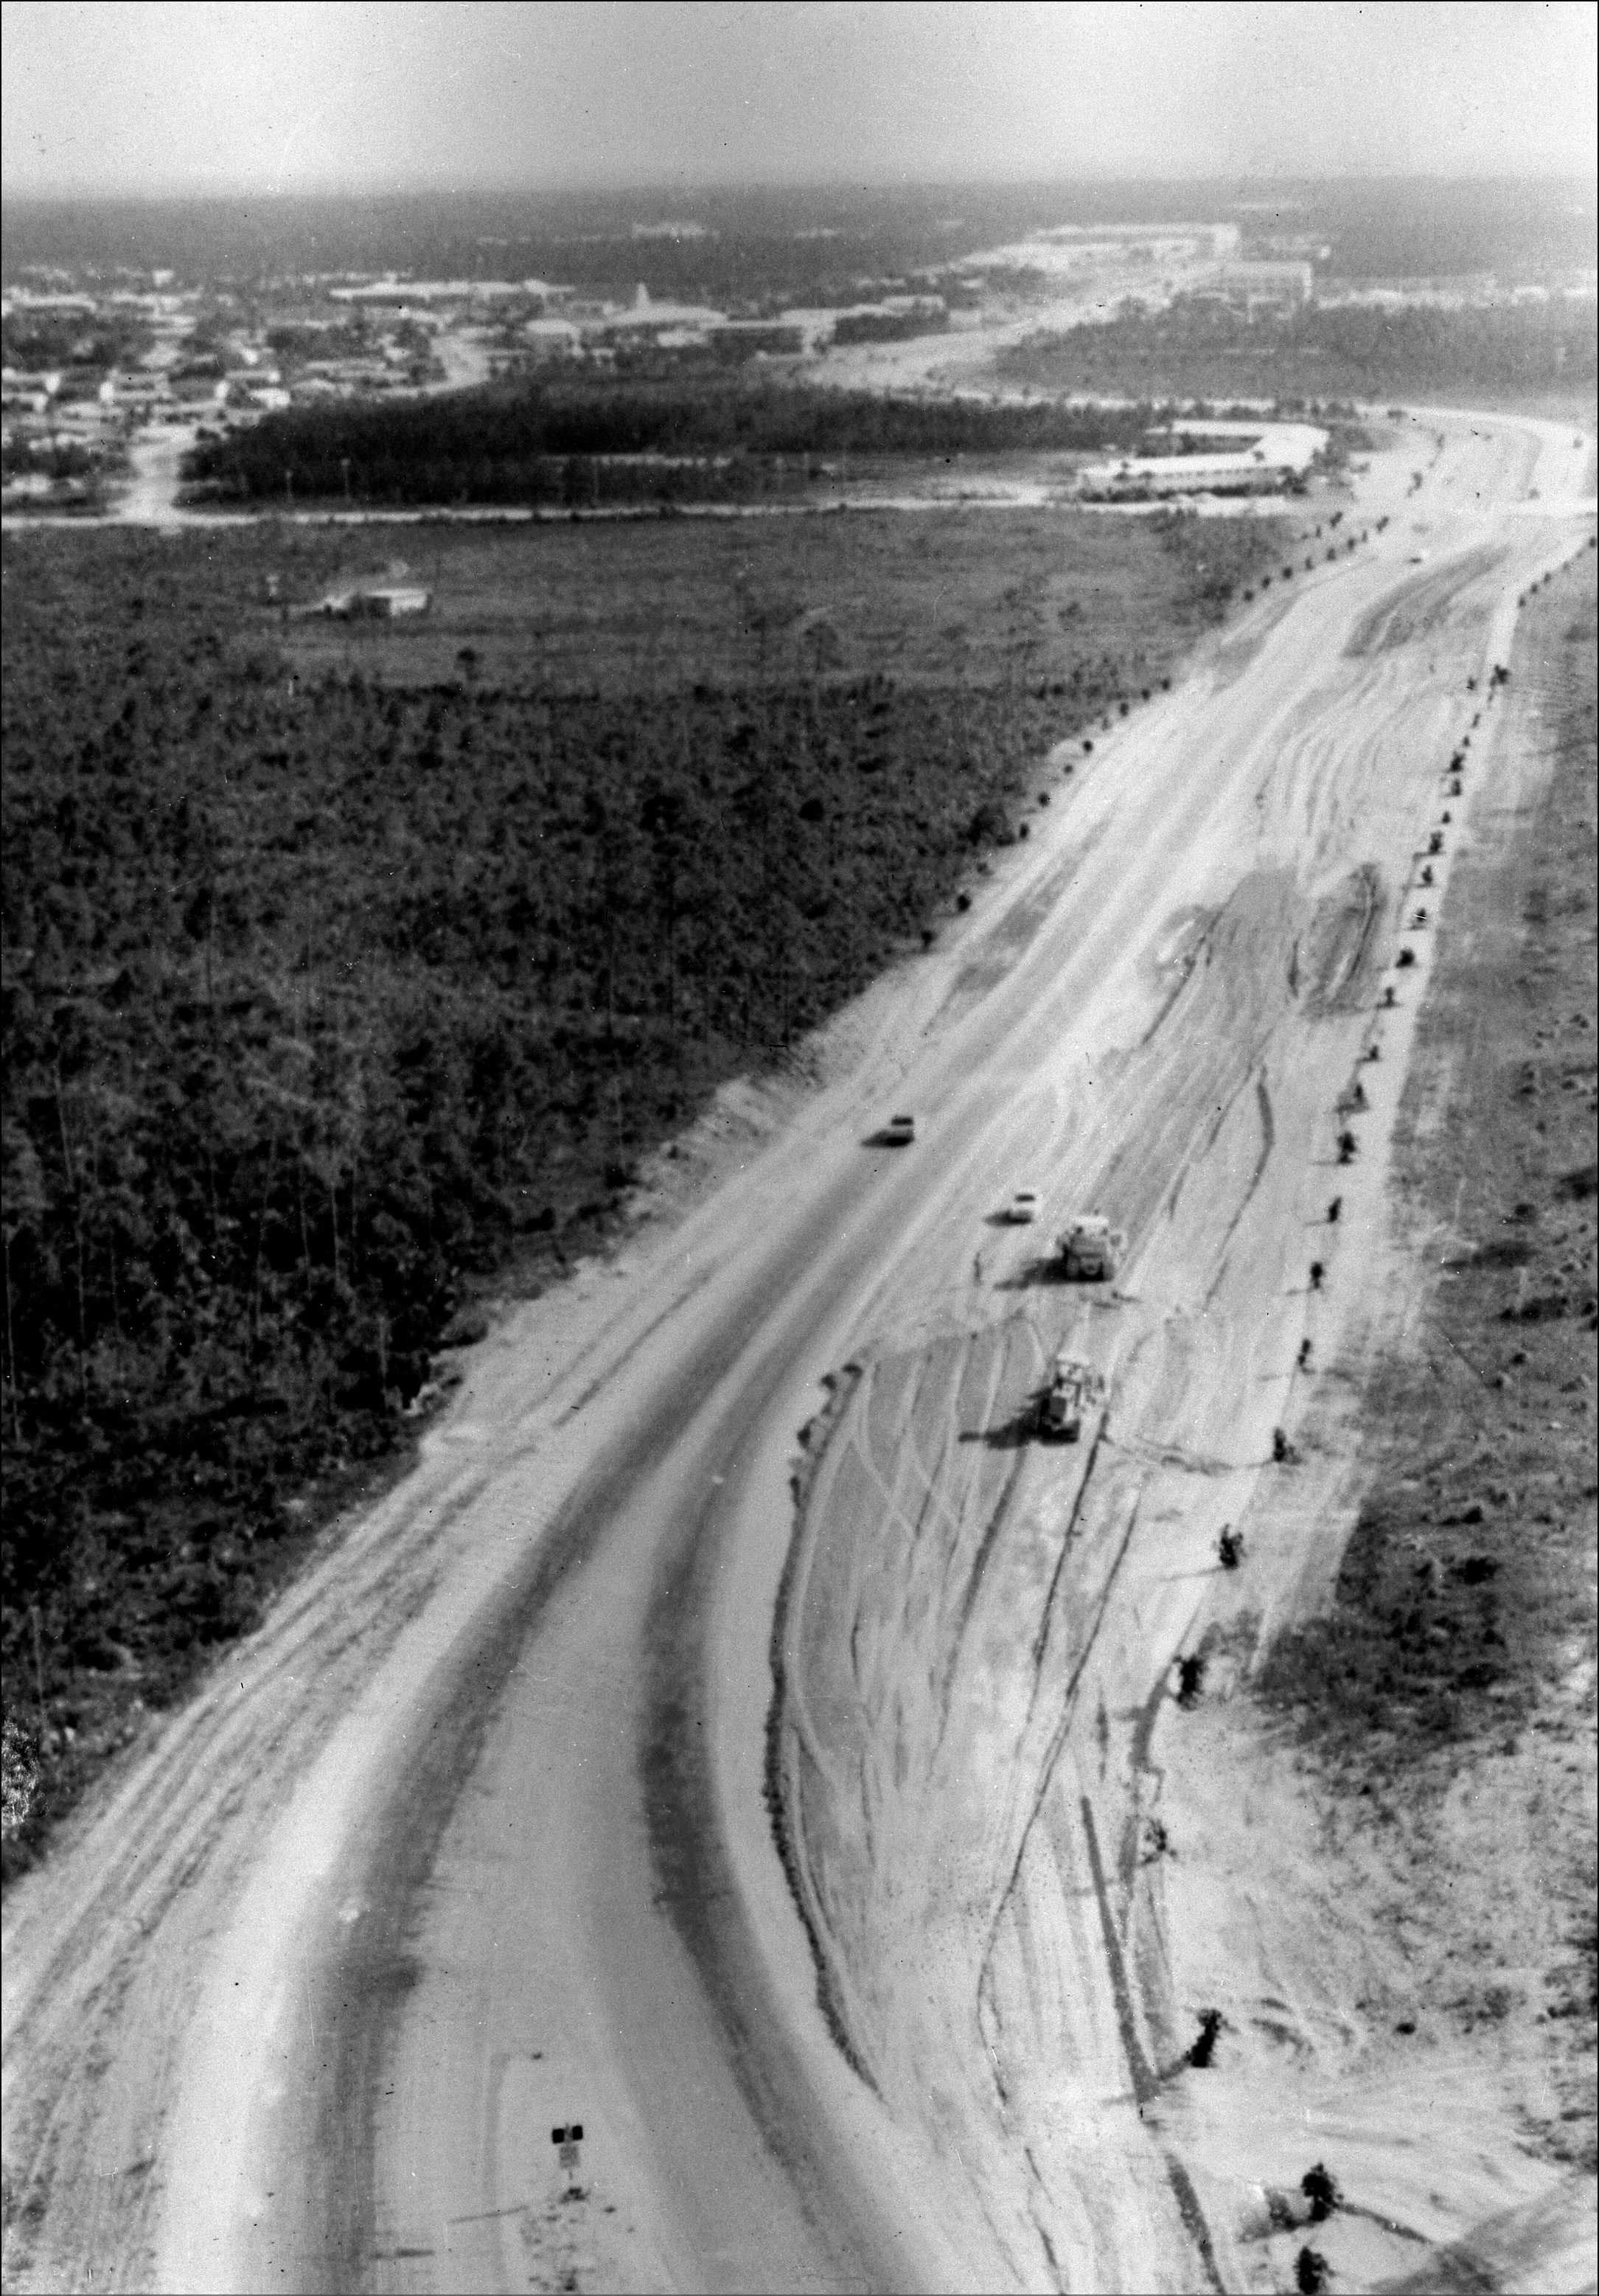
x,y
1030,1870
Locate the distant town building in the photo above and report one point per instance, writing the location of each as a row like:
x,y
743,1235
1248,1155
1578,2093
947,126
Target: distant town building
x,y
393,290
552,338
386,604
1255,459
645,316
1279,286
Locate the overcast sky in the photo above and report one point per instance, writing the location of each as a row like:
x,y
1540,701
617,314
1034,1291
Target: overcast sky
x,y
117,96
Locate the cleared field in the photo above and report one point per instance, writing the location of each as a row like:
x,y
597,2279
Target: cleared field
x,y
943,596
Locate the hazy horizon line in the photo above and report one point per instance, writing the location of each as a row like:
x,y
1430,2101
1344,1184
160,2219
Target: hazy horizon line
x,y
681,188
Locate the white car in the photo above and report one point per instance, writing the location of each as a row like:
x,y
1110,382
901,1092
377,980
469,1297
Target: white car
x,y
1023,1207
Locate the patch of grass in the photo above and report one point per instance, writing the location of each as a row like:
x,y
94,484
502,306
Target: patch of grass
x,y
963,597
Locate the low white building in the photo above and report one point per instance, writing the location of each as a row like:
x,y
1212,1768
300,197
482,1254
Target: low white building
x,y
1276,285
387,602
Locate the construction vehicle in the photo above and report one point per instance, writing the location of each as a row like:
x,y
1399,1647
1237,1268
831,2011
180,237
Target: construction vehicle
x,y
1090,1249
1073,1389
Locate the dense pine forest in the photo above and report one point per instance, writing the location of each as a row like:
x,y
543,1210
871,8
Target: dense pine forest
x,y
1335,350
577,442
329,1002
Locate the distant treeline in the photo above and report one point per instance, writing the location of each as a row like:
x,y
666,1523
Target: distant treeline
x,y
1349,350
554,443
887,326
757,250
42,339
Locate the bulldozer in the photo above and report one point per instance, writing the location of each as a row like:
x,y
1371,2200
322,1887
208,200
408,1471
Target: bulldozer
x,y
1090,1249
1073,1389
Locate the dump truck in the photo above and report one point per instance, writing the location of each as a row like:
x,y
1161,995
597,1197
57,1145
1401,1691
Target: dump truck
x,y
1090,1249
1073,1389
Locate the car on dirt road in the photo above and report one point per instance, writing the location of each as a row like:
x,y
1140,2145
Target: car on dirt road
x,y
1023,1208
899,1132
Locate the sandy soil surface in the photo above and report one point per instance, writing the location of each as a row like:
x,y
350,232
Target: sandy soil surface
x,y
155,459
978,1737
472,1840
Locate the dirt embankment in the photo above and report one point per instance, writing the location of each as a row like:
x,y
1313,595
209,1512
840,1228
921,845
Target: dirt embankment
x,y
1416,1771
1455,1669
1031,1872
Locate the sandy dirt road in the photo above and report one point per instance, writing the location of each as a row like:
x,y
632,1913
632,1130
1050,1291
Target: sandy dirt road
x,y
472,1840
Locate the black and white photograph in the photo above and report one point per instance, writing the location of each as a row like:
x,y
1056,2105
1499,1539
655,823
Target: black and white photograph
x,y
800,1192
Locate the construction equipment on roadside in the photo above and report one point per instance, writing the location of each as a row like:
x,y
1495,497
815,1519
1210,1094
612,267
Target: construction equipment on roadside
x,y
1090,1249
1190,1679
1320,2188
569,2139
1203,2051
1074,1388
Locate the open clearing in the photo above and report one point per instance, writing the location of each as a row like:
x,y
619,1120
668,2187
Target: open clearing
x,y
952,594
473,1837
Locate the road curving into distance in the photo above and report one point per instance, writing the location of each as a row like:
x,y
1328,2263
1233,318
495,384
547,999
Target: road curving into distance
x,y
471,1841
